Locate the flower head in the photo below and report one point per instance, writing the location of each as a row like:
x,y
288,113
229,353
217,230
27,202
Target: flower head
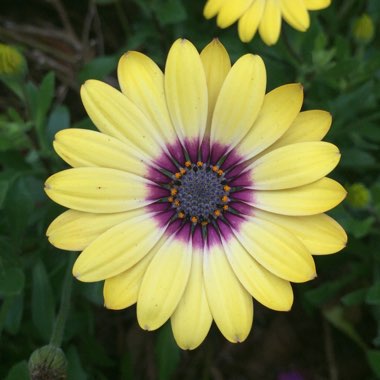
x,y
199,192
262,15
12,62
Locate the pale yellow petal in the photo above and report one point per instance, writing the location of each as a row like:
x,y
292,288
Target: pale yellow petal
x,y
97,190
216,64
121,291
75,230
142,81
115,115
119,248
320,234
231,11
82,147
294,165
277,249
186,90
295,14
164,284
239,101
314,5
307,126
315,198
192,318
270,25
250,20
230,304
279,110
212,8
264,286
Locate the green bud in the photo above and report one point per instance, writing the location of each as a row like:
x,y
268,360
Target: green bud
x,y
12,62
48,363
358,195
364,29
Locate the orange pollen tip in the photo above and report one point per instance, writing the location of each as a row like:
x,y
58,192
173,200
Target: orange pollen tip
x,y
217,213
178,175
181,215
173,191
215,168
182,170
225,207
199,163
204,223
226,188
170,199
224,198
194,219
187,164
220,172
177,203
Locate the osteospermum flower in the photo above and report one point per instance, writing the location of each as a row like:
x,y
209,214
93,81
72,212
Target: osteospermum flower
x,y
199,192
264,15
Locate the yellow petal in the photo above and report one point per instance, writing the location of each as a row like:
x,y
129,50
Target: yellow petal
x,y
231,11
315,198
82,147
317,4
216,64
250,20
212,8
163,284
121,291
295,14
119,248
270,25
115,115
279,110
294,165
192,319
320,234
277,249
239,101
75,230
230,304
97,190
142,81
186,90
307,126
264,286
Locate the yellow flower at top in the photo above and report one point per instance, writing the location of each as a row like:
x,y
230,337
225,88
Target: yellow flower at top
x,y
199,193
262,15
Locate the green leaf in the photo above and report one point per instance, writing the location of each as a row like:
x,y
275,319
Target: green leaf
x,y
373,294
354,298
45,98
167,353
42,302
98,68
360,228
75,369
12,281
14,317
19,371
169,11
373,357
59,119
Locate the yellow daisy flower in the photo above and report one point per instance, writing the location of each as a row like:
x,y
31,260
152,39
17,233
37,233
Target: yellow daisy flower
x,y
264,15
199,192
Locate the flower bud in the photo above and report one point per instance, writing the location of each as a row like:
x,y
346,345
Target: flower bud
x,y
48,363
358,195
364,29
12,62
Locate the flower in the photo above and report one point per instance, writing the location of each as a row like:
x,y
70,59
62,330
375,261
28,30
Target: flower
x,y
264,15
198,193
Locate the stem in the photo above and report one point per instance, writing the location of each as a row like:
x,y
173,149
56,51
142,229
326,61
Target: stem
x,y
60,322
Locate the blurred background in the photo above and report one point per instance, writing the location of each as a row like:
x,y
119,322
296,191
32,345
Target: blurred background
x,y
48,48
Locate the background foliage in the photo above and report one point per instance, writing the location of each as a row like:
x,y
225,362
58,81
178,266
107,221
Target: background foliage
x,y
333,330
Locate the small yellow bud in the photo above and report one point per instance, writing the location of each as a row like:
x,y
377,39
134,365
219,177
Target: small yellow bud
x,y
364,29
48,363
12,62
358,195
